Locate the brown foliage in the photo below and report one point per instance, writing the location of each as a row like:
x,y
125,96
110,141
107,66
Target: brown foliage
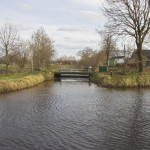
x,y
93,59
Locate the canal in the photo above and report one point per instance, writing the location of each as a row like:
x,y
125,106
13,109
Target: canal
x,y
74,114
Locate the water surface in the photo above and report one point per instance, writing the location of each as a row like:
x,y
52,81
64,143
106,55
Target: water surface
x,y
75,115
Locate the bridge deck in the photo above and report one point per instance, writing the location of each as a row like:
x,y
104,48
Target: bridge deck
x,y
73,74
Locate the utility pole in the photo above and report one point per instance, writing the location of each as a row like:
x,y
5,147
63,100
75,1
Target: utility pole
x,y
124,59
32,63
31,49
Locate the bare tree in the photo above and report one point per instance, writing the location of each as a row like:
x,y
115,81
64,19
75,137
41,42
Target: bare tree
x,y
21,54
8,38
86,55
42,47
92,58
129,18
109,46
67,60
100,59
86,51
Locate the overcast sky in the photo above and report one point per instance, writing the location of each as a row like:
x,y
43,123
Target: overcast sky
x,y
71,24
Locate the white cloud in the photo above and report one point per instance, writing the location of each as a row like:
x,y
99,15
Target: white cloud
x,y
69,42
73,28
10,22
92,15
95,3
25,6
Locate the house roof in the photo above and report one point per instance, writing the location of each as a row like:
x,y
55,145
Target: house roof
x,y
117,57
144,53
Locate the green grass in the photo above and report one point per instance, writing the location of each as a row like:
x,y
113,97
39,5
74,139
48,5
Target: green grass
x,y
3,66
20,75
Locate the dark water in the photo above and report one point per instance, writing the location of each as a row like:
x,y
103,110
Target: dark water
x,y
70,115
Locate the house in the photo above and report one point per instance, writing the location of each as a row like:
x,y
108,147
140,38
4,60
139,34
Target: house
x,y
116,60
146,57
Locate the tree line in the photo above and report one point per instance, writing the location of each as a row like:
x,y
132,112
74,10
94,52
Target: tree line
x,y
128,19
38,51
108,49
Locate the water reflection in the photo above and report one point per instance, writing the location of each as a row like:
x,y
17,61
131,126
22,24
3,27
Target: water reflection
x,y
140,122
70,115
127,127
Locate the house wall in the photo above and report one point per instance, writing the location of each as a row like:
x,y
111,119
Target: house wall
x,y
135,61
119,61
111,62
144,61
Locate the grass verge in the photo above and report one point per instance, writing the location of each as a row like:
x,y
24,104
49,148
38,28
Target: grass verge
x,y
21,81
122,80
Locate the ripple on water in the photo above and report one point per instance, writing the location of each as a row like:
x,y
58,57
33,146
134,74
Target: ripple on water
x,y
75,116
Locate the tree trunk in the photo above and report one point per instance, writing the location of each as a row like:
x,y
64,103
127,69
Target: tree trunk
x,y
140,58
7,60
107,59
124,70
107,62
32,64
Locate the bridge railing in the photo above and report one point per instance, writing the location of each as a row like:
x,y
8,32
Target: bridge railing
x,y
75,70
71,69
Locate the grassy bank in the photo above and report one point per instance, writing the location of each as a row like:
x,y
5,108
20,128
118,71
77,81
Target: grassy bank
x,y
122,80
20,81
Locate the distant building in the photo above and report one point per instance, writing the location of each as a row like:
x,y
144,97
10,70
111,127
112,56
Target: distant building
x,y
146,57
115,61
